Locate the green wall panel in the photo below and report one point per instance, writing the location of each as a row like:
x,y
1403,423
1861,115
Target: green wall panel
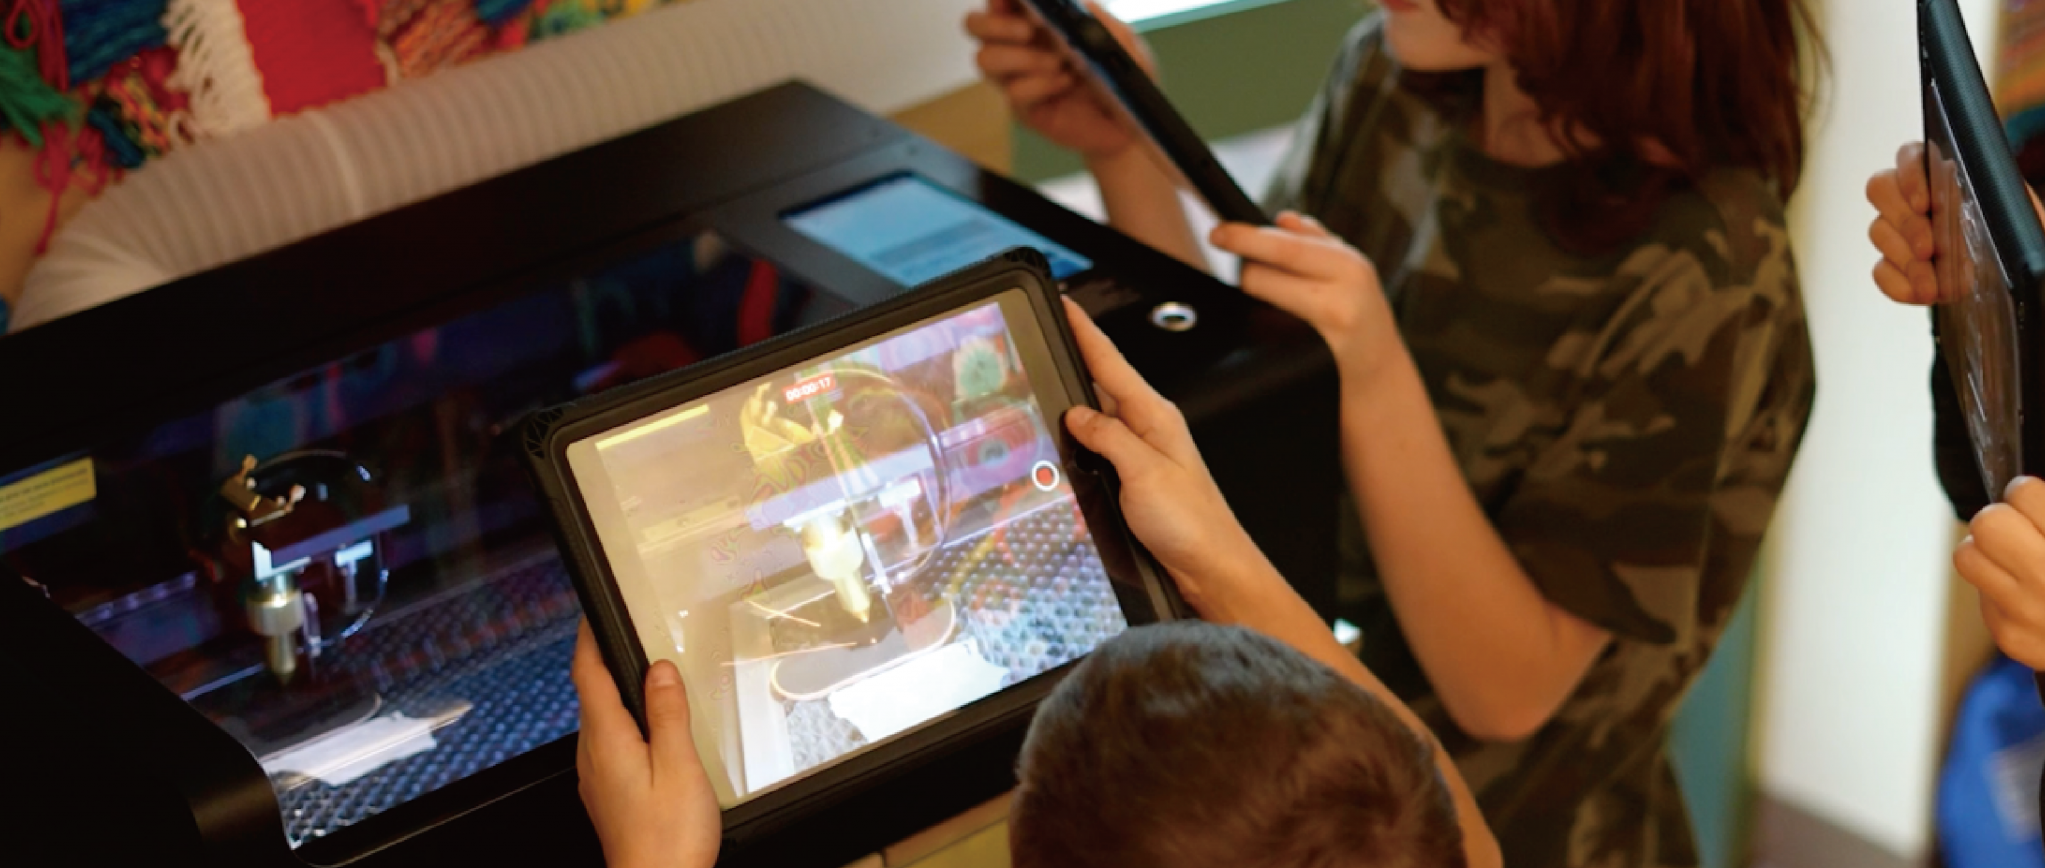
x,y
1243,70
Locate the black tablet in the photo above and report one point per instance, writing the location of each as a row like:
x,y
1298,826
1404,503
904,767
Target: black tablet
x,y
1123,83
1990,255
858,541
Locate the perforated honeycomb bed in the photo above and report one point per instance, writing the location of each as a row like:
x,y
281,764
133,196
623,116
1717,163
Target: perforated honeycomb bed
x,y
1034,597
504,647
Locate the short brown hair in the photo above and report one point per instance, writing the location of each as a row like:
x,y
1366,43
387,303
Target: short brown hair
x,y
1193,745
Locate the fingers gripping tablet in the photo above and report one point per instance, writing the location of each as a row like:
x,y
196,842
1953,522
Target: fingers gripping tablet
x,y
1125,84
854,541
1990,255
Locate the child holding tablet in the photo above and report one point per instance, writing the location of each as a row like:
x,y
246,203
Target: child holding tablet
x,y
1548,253
1185,745
2003,555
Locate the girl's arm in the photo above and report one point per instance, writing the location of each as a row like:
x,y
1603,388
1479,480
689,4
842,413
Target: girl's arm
x,y
1609,530
1499,653
1052,98
1174,508
1143,202
1501,656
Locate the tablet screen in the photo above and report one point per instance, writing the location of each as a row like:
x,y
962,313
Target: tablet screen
x,y
1976,318
911,231
850,549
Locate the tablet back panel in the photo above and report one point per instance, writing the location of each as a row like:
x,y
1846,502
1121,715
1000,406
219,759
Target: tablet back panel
x,y
1990,255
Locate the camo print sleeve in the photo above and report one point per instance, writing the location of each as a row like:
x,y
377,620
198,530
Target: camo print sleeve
x,y
1324,121
1679,435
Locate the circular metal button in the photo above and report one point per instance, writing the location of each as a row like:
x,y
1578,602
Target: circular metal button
x,y
1173,317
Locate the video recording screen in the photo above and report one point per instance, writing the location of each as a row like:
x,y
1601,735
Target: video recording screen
x,y
851,549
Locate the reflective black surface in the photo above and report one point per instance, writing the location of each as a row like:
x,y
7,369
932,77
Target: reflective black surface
x,y
427,617
162,395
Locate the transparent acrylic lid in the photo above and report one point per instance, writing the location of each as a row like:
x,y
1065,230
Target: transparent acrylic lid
x,y
345,568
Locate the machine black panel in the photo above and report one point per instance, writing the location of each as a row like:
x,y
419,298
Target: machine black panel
x,y
375,369
305,303
344,568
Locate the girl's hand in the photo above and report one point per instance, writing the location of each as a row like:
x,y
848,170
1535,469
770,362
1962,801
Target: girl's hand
x,y
1902,229
2004,558
1303,269
1171,503
1903,232
1045,92
651,802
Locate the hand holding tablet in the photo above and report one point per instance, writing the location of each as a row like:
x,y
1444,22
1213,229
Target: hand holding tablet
x,y
841,538
1126,100
1988,255
648,797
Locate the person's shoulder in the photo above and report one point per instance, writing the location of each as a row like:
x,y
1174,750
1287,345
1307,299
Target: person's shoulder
x,y
1365,39
1365,62
1718,255
1726,232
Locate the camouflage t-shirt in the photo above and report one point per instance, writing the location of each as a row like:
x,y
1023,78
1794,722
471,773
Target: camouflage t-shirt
x,y
1626,421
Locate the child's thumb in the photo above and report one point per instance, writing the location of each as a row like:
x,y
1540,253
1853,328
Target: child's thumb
x,y
667,717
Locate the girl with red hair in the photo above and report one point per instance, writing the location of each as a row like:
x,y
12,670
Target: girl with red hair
x,y
1544,241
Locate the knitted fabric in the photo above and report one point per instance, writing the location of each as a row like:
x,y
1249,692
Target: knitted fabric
x,y
443,34
27,102
496,12
564,16
122,149
2020,84
101,33
137,95
387,16
311,52
216,68
97,87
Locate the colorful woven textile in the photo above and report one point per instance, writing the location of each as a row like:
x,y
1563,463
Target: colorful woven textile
x,y
2020,83
98,87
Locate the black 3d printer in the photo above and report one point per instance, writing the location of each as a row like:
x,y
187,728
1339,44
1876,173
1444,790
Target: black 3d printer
x,y
278,592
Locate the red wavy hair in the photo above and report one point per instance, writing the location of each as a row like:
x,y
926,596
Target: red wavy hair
x,y
1665,90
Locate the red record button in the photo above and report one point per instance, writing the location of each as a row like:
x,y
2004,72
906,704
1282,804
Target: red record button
x,y
1044,475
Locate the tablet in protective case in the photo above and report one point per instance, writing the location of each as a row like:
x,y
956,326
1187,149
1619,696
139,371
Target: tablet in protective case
x,y
1990,255
1123,83
857,541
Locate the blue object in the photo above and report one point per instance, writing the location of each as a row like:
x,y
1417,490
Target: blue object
x,y
2024,126
101,33
121,149
1988,793
495,12
911,231
3,317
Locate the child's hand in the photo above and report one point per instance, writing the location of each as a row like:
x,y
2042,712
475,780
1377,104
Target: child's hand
x,y
1171,503
651,803
1305,270
1902,229
1046,93
2003,557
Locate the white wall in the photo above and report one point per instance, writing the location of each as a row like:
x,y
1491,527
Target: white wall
x,y
1854,600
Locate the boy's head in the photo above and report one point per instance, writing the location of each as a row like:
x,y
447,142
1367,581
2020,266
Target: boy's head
x,y
1193,745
